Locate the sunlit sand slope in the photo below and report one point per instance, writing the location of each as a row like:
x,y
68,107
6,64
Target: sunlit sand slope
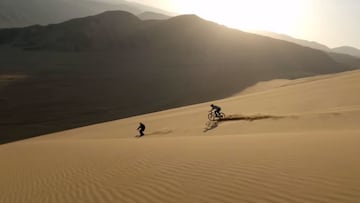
x,y
294,142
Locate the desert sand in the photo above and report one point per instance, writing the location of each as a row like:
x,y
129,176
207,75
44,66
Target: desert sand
x,y
282,141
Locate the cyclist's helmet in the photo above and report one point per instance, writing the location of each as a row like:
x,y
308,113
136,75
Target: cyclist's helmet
x,y
212,105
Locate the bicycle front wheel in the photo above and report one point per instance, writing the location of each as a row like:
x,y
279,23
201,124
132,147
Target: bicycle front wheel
x,y
211,117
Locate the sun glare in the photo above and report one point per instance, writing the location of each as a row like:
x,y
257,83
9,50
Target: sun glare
x,y
282,16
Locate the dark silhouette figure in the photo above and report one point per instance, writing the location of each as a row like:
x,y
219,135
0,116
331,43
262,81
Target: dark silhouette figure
x,y
141,129
216,109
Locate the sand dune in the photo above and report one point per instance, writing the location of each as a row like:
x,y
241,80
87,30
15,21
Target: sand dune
x,y
294,142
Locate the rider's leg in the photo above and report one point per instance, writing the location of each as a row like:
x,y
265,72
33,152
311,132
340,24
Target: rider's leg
x,y
217,113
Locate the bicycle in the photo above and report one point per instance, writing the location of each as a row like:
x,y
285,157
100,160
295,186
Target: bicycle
x,y
213,117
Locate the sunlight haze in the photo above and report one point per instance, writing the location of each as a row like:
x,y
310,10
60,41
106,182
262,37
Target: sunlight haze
x,y
278,16
331,22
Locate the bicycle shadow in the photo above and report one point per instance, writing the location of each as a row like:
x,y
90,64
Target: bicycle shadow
x,y
210,125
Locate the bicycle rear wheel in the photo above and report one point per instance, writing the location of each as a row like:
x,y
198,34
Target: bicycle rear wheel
x,y
222,115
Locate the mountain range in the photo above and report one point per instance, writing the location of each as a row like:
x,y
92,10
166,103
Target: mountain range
x,y
348,50
20,13
115,65
148,15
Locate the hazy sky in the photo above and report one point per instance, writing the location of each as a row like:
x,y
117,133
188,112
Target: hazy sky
x,y
331,22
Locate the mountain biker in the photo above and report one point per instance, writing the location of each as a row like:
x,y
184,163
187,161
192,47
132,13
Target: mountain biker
x,y
216,109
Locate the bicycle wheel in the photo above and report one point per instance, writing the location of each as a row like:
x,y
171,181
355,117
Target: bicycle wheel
x,y
211,116
222,115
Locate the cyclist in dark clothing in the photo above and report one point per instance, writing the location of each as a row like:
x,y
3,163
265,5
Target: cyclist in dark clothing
x,y
216,109
141,129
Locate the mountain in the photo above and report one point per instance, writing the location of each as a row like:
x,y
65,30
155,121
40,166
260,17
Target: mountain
x,y
345,55
348,60
20,13
152,16
114,65
347,50
311,44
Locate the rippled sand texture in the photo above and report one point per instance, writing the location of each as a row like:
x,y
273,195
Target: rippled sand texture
x,y
297,142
